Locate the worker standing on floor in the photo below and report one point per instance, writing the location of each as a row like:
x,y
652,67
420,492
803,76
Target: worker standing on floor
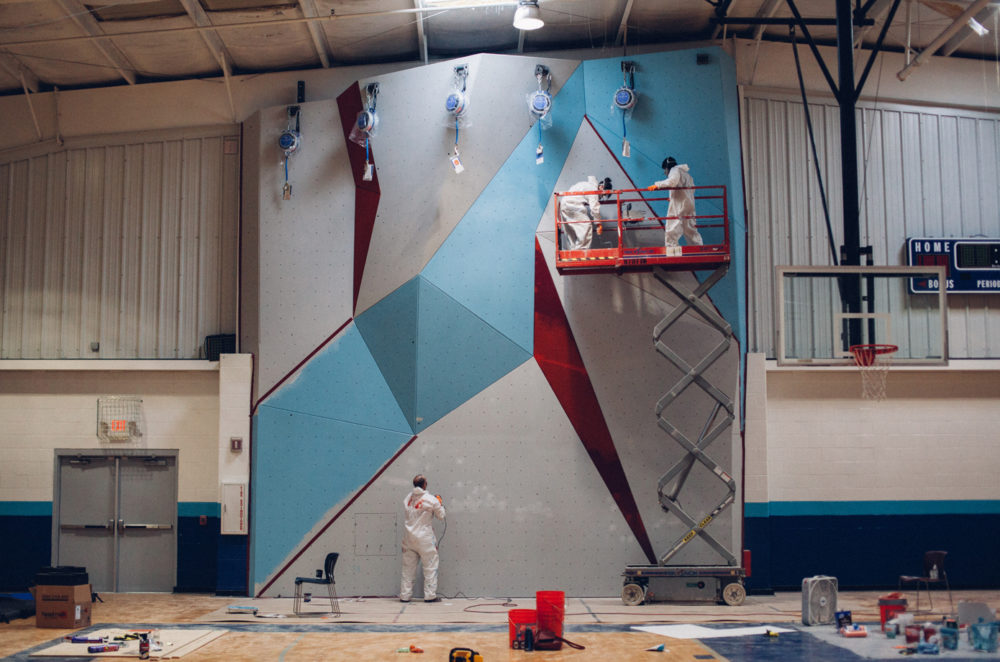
x,y
419,541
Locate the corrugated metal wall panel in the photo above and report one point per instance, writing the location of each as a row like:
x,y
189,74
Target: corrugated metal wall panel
x,y
111,250
229,213
121,245
188,245
89,330
924,172
14,282
5,246
34,260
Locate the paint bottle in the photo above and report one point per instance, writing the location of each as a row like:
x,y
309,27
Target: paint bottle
x,y
143,646
102,648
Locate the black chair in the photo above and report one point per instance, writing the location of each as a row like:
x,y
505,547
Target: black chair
x,y
323,577
934,573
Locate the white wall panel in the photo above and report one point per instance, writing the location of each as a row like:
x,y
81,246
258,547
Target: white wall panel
x,y
125,241
303,247
824,443
922,172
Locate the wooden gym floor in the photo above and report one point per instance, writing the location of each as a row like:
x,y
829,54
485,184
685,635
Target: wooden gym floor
x,y
376,628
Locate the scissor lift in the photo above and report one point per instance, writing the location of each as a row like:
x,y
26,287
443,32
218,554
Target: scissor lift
x,y
660,582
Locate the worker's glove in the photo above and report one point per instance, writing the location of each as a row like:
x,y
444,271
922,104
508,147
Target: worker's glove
x,y
651,188
439,499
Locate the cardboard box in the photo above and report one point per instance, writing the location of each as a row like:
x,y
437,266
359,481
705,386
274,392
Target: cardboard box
x,y
62,606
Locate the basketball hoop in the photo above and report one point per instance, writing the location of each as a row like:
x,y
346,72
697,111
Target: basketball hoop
x,y
874,362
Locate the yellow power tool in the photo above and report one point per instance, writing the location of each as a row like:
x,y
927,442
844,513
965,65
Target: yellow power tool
x,y
464,655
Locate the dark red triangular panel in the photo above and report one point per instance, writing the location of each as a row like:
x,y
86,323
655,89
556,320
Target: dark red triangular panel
x,y
559,358
366,194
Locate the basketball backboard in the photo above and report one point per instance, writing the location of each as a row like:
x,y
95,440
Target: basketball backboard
x,y
823,311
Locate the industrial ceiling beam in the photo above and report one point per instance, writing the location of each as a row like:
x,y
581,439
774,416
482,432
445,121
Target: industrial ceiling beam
x,y
421,35
766,10
81,15
985,17
19,71
241,26
623,23
959,23
211,38
316,32
875,10
753,20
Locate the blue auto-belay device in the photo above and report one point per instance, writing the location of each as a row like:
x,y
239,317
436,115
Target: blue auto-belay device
x,y
973,264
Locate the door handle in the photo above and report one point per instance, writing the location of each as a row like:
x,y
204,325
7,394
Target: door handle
x,y
80,527
153,527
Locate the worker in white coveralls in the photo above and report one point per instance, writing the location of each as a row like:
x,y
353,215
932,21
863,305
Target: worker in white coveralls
x,y
680,213
577,214
419,542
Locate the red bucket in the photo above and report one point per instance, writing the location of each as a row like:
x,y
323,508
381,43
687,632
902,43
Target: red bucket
x,y
551,606
518,619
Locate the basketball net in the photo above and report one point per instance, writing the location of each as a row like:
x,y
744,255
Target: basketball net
x,y
874,362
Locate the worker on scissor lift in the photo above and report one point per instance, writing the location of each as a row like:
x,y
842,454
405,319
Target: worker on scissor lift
x,y
680,213
577,213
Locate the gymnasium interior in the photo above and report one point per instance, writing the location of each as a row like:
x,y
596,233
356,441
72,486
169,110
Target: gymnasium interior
x,y
262,263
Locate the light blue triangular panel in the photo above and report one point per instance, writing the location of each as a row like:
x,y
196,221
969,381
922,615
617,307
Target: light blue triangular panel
x,y
458,355
389,328
319,462
343,382
487,264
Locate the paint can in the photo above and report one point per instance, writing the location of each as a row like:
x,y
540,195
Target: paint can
x,y
144,646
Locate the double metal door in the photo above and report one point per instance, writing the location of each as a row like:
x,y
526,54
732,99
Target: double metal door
x,y
116,515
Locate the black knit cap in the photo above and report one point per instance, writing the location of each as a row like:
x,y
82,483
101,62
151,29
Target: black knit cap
x,y
668,163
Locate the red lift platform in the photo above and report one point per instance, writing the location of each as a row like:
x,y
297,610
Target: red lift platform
x,y
633,239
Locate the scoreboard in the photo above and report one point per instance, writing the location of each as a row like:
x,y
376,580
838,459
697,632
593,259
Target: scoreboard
x,y
973,264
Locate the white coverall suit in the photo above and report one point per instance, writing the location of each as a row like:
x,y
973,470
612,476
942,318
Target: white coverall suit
x,y
681,210
419,542
577,213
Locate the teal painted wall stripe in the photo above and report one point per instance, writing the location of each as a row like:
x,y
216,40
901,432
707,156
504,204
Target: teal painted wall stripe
x,y
847,508
198,508
26,508
44,508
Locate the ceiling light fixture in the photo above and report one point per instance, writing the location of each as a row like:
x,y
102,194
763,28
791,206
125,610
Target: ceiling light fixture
x,y
978,27
527,16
